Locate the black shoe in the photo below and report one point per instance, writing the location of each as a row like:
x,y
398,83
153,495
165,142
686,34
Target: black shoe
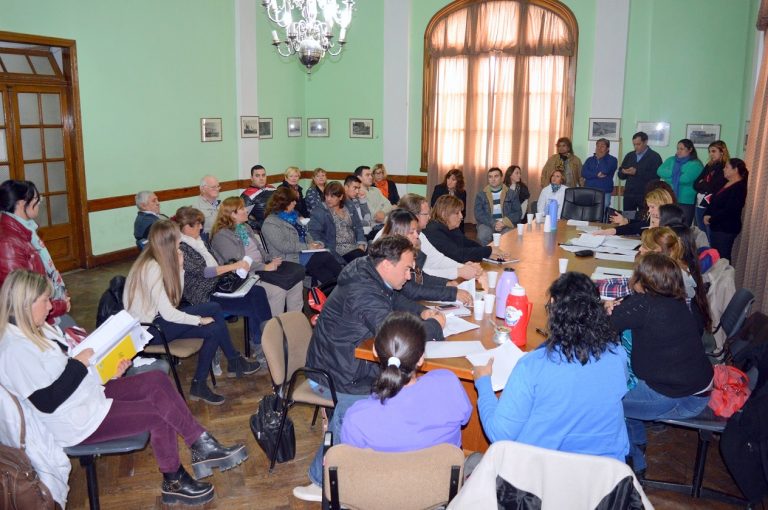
x,y
238,367
201,391
181,488
207,454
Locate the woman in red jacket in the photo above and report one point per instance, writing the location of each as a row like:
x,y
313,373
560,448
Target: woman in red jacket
x,y
22,248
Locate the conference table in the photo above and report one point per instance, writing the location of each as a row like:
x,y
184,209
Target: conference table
x,y
537,253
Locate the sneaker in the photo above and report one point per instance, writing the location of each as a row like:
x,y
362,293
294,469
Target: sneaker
x,y
201,391
217,364
309,492
257,353
238,367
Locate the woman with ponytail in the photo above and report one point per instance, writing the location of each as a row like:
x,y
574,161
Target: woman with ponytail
x,y
406,413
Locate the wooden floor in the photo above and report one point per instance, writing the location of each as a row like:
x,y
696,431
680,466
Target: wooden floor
x,y
132,481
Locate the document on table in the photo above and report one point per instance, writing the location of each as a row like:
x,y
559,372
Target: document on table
x,y
617,256
621,243
606,273
577,223
505,357
456,349
587,241
455,325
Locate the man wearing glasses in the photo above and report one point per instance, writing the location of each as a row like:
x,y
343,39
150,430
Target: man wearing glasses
x,y
208,201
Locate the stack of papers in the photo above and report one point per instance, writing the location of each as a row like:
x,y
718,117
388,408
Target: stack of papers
x,y
505,357
455,349
619,257
606,273
605,247
577,223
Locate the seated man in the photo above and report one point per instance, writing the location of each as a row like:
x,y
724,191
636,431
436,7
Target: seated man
x,y
256,196
370,194
208,201
352,192
365,295
496,209
149,212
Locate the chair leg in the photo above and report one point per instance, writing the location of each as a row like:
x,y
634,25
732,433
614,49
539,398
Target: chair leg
x,y
701,462
176,377
314,416
273,457
89,464
213,377
247,337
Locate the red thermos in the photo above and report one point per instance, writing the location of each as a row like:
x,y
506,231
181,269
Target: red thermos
x,y
518,314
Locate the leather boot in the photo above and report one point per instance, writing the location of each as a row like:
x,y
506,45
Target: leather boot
x,y
207,454
180,488
201,391
239,366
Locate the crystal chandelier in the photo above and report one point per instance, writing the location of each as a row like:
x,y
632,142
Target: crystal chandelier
x,y
310,38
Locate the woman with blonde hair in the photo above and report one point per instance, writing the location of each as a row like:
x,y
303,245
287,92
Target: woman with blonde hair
x,y
316,190
75,408
387,186
232,239
153,293
654,199
291,180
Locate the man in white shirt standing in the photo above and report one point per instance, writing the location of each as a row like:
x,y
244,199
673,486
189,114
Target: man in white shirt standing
x,y
208,201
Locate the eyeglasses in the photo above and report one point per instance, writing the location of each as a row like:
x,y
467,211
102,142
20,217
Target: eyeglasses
x,y
218,186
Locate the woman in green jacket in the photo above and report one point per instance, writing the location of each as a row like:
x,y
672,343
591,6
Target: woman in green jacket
x,y
680,171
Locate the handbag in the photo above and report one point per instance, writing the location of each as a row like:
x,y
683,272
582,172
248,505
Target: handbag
x,y
730,390
22,488
265,424
285,276
229,283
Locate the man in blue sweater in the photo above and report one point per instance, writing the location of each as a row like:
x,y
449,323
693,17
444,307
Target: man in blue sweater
x,y
598,169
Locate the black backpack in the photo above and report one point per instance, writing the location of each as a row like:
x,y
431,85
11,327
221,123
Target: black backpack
x,y
111,301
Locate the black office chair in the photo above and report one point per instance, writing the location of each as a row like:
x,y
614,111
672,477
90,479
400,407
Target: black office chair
x,y
586,204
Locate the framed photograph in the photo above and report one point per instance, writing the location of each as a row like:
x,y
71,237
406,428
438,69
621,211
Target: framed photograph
x,y
658,133
610,129
318,128
249,127
294,126
210,129
265,128
702,134
361,128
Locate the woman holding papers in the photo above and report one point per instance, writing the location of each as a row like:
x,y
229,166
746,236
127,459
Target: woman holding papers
x,y
153,292
75,408
286,238
565,395
405,412
201,274
674,374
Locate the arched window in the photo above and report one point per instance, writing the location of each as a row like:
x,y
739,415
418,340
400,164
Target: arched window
x,y
499,79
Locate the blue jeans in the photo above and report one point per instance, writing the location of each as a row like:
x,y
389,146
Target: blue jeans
x,y
254,307
700,223
644,404
343,402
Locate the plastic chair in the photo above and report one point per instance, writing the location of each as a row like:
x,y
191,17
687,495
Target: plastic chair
x,y
363,478
289,376
586,204
87,454
736,312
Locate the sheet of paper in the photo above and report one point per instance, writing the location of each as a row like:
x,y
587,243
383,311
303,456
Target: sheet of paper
x,y
587,241
456,325
612,272
469,286
505,357
318,250
587,228
456,349
615,256
621,243
578,223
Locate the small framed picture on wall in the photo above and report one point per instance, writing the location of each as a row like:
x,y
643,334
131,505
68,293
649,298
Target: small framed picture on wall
x,y
249,126
702,134
658,133
265,128
610,129
210,129
361,128
318,128
294,127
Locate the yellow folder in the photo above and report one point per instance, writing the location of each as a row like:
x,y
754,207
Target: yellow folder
x,y
107,366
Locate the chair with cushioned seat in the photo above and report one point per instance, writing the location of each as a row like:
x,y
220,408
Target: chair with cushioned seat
x,y
87,454
586,204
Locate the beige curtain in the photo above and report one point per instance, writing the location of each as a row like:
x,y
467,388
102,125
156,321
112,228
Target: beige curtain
x,y
752,249
502,76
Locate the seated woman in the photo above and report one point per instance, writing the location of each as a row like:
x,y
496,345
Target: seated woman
x,y
232,239
75,408
565,395
513,179
22,248
286,237
554,191
406,412
670,215
201,275
674,374
338,226
723,214
443,233
153,292
387,187
316,190
422,286
453,184
653,200
292,176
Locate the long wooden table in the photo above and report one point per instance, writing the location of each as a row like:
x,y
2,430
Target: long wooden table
x,y
538,267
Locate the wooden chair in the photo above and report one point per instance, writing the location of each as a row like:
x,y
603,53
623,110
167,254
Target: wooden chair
x,y
370,480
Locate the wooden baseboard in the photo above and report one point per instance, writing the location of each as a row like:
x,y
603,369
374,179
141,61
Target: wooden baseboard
x,y
113,256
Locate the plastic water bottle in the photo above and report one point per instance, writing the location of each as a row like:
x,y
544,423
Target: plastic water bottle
x,y
506,282
552,212
517,315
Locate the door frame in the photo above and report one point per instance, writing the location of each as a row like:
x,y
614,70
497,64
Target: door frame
x,y
82,235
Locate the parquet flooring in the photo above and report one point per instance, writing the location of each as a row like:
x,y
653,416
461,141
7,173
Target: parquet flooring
x,y
132,481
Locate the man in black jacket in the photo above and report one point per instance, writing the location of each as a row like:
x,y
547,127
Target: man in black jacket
x,y
638,168
367,291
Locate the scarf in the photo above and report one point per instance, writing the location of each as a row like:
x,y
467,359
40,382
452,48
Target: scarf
x,y
383,186
293,218
677,170
199,246
555,187
59,289
242,233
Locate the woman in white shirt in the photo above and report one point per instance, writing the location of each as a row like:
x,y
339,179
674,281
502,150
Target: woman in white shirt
x,y
555,190
75,408
153,292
